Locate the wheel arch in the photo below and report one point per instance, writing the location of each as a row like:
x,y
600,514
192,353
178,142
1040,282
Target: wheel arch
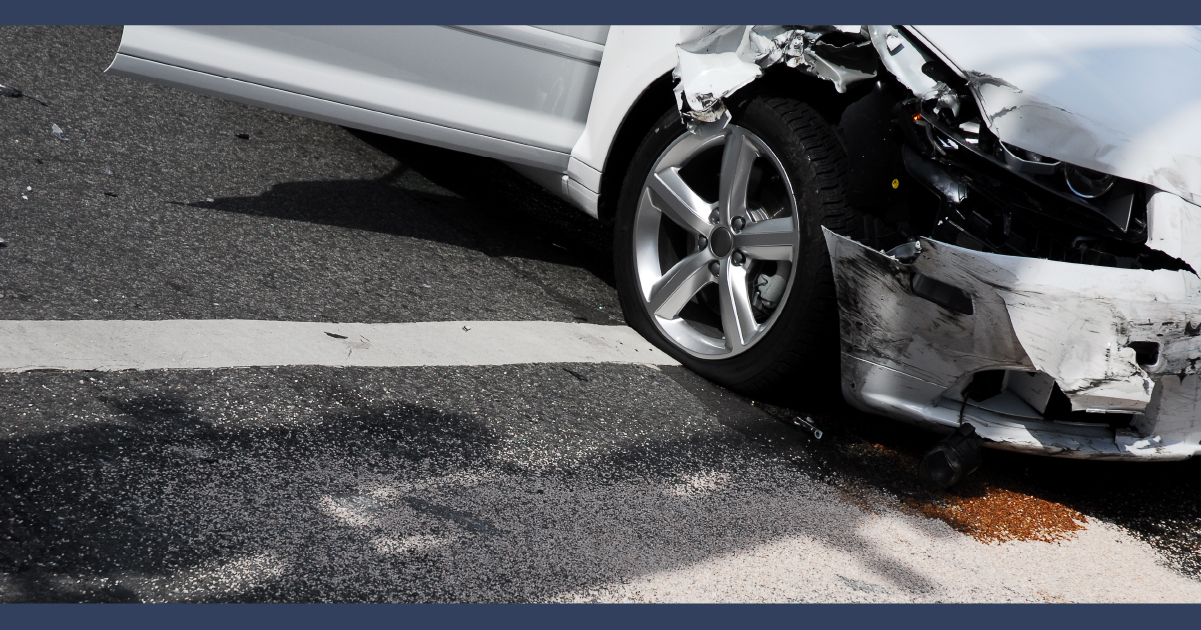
x,y
639,119
657,97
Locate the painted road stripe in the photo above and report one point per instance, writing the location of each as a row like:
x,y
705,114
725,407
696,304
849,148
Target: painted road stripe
x,y
223,343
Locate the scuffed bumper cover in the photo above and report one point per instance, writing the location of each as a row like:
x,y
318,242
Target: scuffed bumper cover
x,y
910,358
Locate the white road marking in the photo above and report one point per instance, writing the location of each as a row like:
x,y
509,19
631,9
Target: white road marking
x,y
224,343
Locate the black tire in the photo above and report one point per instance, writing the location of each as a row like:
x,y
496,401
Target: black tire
x,y
799,355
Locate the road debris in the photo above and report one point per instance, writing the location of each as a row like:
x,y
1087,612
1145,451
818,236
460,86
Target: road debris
x,y
467,328
807,424
12,92
336,336
579,377
58,132
992,514
952,459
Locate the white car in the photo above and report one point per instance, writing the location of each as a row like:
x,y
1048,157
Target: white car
x,y
986,227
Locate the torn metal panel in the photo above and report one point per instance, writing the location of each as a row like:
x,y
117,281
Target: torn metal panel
x,y
1002,199
1174,412
1120,100
1172,227
716,61
1078,342
1079,330
704,80
1058,200
1065,318
913,67
902,58
835,55
884,322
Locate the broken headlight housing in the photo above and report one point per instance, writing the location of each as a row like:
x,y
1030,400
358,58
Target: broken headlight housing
x,y
1087,183
996,197
1086,187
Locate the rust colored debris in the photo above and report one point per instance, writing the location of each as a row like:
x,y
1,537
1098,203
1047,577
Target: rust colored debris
x,y
978,508
999,515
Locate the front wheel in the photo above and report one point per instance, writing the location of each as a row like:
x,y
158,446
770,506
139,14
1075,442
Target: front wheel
x,y
720,256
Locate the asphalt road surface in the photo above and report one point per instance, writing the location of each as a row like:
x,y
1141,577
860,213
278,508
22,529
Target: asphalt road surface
x,y
587,481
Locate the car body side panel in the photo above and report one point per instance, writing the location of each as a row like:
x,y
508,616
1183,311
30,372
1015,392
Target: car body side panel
x,y
338,113
519,91
635,56
588,33
544,39
531,96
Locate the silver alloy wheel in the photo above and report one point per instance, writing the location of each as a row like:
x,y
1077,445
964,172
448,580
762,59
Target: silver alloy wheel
x,y
705,275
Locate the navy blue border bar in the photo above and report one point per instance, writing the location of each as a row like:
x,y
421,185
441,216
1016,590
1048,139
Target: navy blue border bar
x,y
622,617
602,12
600,617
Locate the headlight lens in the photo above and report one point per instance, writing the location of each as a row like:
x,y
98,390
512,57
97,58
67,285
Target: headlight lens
x,y
1087,183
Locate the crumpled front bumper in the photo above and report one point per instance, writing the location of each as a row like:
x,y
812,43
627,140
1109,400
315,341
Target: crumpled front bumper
x,y
916,333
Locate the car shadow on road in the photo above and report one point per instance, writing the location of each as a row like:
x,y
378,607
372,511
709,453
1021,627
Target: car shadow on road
x,y
154,498
463,201
446,196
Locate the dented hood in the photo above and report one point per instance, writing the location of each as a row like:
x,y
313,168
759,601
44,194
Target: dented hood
x,y
1120,100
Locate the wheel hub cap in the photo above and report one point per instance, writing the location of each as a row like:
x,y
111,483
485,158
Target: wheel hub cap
x,y
721,242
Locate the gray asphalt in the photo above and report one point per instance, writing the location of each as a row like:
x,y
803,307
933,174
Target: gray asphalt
x,y
405,484
306,221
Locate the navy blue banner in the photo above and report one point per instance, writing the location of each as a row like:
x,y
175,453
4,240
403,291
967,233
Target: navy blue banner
x,y
608,12
582,617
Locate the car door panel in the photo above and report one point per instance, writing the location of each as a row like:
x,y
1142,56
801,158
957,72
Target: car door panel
x,y
542,39
481,84
594,34
338,113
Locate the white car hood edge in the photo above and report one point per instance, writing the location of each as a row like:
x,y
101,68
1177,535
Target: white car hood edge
x,y
1120,100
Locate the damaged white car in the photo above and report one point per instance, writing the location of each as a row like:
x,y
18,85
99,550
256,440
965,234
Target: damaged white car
x,y
986,227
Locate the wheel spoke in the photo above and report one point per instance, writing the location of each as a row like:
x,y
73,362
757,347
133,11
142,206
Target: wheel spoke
x,y
737,319
679,284
774,239
736,161
680,202
673,298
